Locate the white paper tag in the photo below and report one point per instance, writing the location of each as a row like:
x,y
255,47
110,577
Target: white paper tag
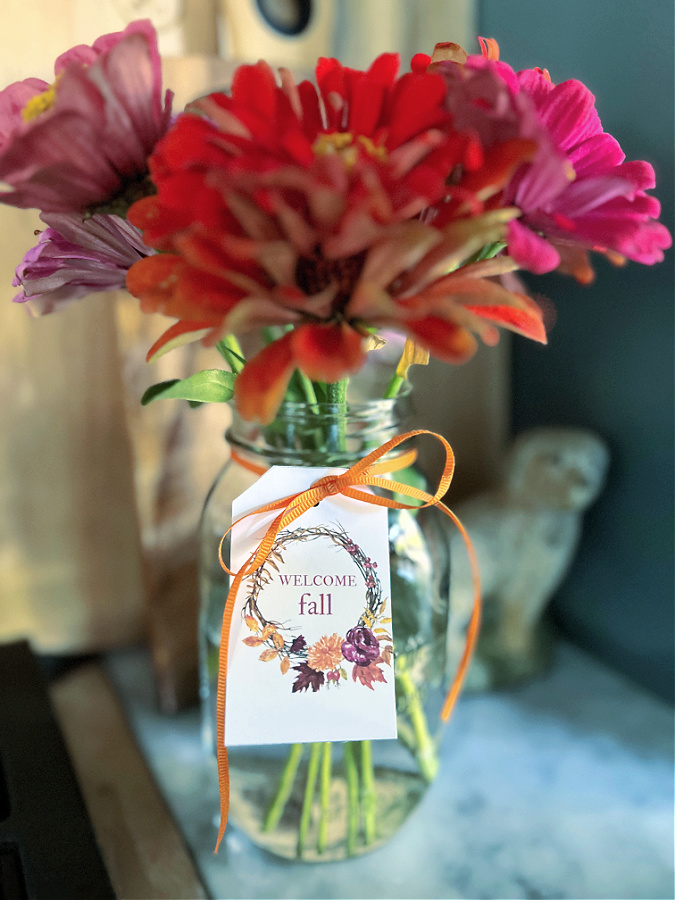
x,y
310,652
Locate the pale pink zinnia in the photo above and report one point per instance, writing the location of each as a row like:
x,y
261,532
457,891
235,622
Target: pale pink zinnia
x,y
75,257
85,139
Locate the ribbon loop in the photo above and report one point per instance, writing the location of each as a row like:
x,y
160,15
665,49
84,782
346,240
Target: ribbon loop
x,y
365,473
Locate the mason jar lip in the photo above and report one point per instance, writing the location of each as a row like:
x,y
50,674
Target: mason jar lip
x,y
368,422
352,408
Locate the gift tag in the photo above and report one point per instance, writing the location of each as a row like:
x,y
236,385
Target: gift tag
x,y
311,646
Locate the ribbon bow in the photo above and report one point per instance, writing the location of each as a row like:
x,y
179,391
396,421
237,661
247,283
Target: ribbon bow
x,y
364,473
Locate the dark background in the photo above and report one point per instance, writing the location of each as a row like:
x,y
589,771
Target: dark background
x,y
609,362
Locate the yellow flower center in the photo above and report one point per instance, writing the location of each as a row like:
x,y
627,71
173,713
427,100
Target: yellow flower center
x,y
344,143
39,103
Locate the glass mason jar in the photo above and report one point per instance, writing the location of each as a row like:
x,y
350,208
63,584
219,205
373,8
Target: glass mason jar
x,y
328,801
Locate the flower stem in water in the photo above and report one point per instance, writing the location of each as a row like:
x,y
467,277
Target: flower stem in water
x,y
424,745
368,799
284,789
306,815
336,395
324,795
352,776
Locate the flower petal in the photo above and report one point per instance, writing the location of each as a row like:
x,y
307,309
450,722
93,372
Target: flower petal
x,y
177,336
261,385
328,352
530,251
445,340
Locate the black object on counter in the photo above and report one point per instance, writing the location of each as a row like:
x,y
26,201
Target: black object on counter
x,y
48,850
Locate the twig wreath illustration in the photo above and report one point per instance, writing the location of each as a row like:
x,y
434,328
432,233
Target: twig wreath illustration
x,y
367,645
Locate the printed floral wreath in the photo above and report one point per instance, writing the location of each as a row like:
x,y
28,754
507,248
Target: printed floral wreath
x,y
322,662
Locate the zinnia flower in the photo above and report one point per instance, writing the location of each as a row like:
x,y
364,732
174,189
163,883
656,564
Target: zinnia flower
x,y
75,257
86,138
601,205
326,654
281,205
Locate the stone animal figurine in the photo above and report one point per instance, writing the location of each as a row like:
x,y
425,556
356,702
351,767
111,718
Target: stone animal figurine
x,y
525,533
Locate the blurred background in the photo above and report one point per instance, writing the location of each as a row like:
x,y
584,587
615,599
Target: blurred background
x,y
99,499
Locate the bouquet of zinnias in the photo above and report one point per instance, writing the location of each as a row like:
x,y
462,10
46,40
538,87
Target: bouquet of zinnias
x,y
318,216
321,214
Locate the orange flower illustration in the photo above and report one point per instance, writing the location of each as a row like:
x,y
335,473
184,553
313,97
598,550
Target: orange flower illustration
x,y
326,654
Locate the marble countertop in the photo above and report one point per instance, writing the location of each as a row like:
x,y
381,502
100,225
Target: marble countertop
x,y
560,789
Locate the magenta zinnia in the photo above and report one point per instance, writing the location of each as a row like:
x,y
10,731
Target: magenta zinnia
x,y
84,140
284,205
601,202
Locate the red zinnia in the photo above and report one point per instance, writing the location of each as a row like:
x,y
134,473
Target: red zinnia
x,y
284,205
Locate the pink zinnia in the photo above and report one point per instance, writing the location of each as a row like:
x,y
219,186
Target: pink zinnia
x,y
85,139
577,193
603,208
484,99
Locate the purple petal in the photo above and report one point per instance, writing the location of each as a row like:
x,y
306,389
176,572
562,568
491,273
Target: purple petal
x,y
75,257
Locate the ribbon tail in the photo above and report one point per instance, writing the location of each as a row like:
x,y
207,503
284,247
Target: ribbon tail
x,y
474,622
221,750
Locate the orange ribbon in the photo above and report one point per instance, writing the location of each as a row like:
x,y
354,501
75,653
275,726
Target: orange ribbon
x,y
364,472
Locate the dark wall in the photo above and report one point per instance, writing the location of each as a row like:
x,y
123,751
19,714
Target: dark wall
x,y
609,363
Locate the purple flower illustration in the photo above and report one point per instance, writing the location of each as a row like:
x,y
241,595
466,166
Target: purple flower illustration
x,y
361,646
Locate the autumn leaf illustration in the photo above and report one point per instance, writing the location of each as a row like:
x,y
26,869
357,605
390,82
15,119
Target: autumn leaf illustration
x,y
253,641
387,654
268,631
252,623
298,644
278,641
382,634
268,655
368,674
285,665
307,678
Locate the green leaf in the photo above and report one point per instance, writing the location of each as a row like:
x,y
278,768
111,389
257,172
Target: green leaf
x,y
209,386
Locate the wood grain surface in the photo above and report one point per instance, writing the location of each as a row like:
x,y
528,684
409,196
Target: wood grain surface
x,y
141,845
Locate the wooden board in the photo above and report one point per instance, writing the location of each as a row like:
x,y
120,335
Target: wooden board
x,y
141,845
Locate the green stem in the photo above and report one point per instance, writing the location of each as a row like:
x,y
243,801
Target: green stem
x,y
284,789
352,776
324,795
405,734
271,334
306,815
336,395
368,799
307,388
394,387
230,349
337,392
425,747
